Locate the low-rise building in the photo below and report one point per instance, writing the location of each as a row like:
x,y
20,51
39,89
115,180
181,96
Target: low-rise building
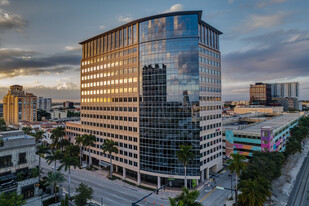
x,y
270,134
58,114
258,109
17,158
289,103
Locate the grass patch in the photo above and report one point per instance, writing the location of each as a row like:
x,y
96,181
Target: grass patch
x,y
145,188
113,178
130,183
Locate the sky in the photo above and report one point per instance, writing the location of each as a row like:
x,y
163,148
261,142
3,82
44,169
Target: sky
x,y
262,40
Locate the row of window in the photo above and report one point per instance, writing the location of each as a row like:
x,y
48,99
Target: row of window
x,y
110,56
112,73
110,91
212,135
209,52
210,89
209,80
210,71
119,159
94,100
120,99
212,157
209,98
210,117
116,109
209,62
111,64
211,150
110,82
108,117
211,126
110,126
210,108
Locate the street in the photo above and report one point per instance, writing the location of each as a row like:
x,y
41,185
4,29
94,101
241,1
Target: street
x,y
210,196
112,192
300,192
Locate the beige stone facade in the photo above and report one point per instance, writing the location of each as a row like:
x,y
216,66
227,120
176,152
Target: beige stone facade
x,y
19,105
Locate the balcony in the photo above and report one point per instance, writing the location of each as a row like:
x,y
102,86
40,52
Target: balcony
x,y
5,166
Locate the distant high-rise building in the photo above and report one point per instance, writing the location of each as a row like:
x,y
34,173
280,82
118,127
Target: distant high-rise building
x,y
285,90
44,104
19,105
153,85
260,94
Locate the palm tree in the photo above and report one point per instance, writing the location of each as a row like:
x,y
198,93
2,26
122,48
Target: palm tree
x,y
55,178
41,150
57,135
109,146
89,139
67,162
39,135
79,140
252,193
53,157
236,164
186,198
184,155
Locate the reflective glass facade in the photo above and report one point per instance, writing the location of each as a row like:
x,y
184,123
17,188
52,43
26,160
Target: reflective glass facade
x,y
169,103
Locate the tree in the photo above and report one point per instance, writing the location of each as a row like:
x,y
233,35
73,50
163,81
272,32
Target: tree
x,y
79,140
186,198
67,162
55,178
88,140
63,143
2,125
236,164
292,147
42,113
39,135
253,193
11,199
109,146
53,157
27,130
41,150
71,150
84,194
184,155
57,136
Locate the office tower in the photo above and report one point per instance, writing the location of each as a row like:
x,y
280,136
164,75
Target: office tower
x,y
152,85
285,90
260,94
19,105
44,104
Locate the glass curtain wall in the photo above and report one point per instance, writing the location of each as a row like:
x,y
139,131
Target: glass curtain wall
x,y
169,93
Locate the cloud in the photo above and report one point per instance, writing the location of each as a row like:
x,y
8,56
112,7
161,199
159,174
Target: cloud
x,y
265,3
4,2
123,19
73,48
102,27
11,21
17,62
282,59
69,85
230,1
262,21
175,7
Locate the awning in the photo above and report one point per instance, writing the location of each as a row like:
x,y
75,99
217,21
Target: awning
x,y
104,164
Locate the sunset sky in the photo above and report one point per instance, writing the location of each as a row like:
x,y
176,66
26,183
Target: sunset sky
x,y
263,40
